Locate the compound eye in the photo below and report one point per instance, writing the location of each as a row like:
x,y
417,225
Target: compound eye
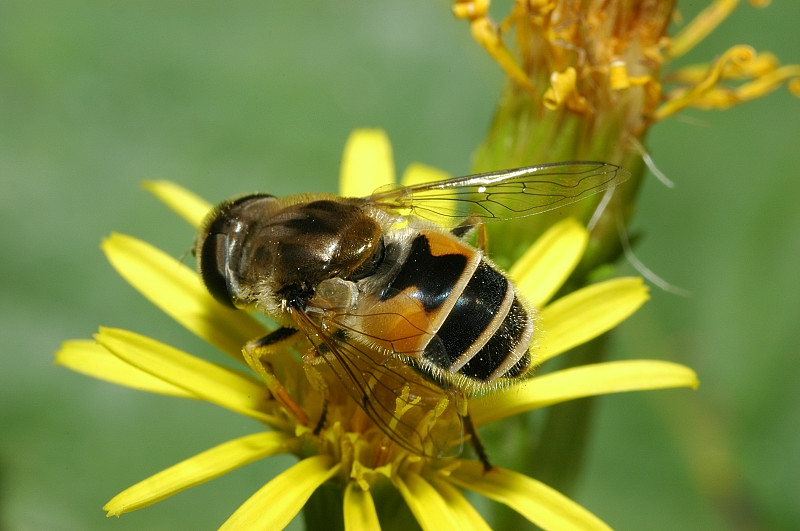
x,y
214,268
220,248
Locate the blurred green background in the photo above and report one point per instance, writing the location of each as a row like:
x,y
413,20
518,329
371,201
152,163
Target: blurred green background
x,y
234,97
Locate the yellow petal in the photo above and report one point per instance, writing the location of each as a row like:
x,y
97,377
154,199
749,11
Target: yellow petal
x,y
468,517
275,504
359,509
198,469
542,505
427,506
178,291
580,382
87,357
208,381
367,163
186,204
585,314
549,261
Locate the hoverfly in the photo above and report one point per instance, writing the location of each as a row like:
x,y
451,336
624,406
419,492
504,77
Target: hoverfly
x,y
402,310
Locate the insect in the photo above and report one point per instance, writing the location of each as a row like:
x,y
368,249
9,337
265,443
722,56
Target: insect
x,y
403,311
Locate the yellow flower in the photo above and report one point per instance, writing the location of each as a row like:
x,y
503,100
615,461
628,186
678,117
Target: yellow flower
x,y
589,56
586,80
343,453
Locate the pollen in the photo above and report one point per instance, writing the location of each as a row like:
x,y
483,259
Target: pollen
x,y
563,91
600,58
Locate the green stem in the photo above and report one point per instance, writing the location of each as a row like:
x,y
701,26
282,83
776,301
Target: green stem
x,y
559,456
550,444
553,451
324,510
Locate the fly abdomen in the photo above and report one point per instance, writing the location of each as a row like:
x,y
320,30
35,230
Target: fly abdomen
x,y
482,331
488,332
506,354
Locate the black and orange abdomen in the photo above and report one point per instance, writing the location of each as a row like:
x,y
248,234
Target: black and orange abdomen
x,y
455,311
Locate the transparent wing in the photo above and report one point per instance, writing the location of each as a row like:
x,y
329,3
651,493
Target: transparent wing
x,y
414,412
501,194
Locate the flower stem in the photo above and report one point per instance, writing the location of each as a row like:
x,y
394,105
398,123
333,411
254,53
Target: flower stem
x,y
324,510
559,456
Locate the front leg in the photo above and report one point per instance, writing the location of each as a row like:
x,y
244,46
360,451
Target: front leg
x,y
257,353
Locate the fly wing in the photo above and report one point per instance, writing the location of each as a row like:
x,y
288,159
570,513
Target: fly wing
x,y
418,414
501,194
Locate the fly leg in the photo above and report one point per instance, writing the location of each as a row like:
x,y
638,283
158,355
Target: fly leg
x,y
462,407
322,418
257,353
477,445
470,224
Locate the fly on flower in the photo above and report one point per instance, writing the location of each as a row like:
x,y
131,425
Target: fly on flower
x,y
397,310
